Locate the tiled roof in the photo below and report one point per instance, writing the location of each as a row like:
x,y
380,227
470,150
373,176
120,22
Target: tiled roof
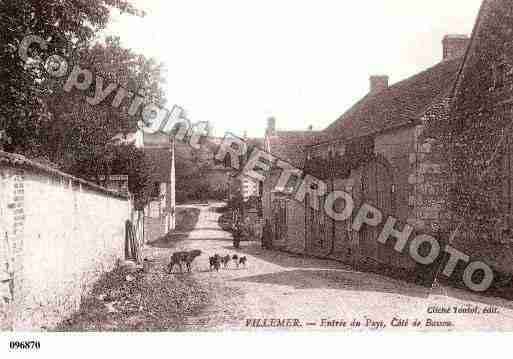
x,y
483,86
289,145
401,104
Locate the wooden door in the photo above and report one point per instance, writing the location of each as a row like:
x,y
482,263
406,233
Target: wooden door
x,y
319,228
377,188
279,220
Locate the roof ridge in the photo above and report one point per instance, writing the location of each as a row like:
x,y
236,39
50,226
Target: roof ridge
x,y
399,104
470,47
431,68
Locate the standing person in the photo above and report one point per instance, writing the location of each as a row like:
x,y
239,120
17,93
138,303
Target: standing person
x,y
237,234
266,235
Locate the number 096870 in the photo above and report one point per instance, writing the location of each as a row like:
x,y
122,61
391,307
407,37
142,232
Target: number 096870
x,y
24,345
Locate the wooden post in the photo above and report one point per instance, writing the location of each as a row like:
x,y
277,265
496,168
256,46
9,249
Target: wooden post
x,y
172,190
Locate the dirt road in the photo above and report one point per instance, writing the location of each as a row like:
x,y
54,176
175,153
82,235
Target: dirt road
x,y
307,293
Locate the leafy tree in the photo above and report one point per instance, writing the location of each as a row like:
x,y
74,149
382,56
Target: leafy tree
x,y
67,25
190,166
132,162
40,119
79,135
80,129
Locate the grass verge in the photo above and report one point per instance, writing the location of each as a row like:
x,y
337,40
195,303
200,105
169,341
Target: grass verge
x,y
154,301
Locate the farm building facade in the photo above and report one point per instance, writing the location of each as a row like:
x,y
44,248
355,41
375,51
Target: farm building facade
x,y
376,153
388,151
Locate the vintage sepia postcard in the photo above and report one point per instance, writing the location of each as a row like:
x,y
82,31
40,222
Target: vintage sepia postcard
x,y
255,166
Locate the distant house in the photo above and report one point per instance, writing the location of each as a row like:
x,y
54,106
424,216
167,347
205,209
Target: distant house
x,y
286,216
159,149
118,183
211,179
160,212
249,187
242,185
374,151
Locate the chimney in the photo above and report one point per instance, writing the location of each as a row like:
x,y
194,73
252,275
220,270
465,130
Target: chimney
x,y
454,46
271,126
378,83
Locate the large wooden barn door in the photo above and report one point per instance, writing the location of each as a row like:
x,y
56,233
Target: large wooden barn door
x,y
319,236
279,210
345,243
377,189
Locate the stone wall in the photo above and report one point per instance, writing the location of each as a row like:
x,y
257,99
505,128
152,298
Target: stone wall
x,y
431,178
430,188
58,235
420,175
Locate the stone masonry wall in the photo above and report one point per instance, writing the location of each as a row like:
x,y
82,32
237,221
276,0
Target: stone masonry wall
x,y
58,236
431,178
431,184
419,173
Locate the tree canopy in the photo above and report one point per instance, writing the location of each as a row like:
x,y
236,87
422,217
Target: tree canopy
x,y
66,25
38,118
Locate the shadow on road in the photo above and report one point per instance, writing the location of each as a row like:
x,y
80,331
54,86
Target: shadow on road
x,y
309,273
344,278
222,209
186,220
287,260
219,239
210,229
336,279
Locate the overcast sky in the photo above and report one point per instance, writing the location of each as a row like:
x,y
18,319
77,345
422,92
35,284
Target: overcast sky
x,y
236,62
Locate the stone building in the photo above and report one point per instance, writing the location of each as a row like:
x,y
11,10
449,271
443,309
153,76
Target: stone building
x,y
394,117
375,151
117,183
286,216
477,205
